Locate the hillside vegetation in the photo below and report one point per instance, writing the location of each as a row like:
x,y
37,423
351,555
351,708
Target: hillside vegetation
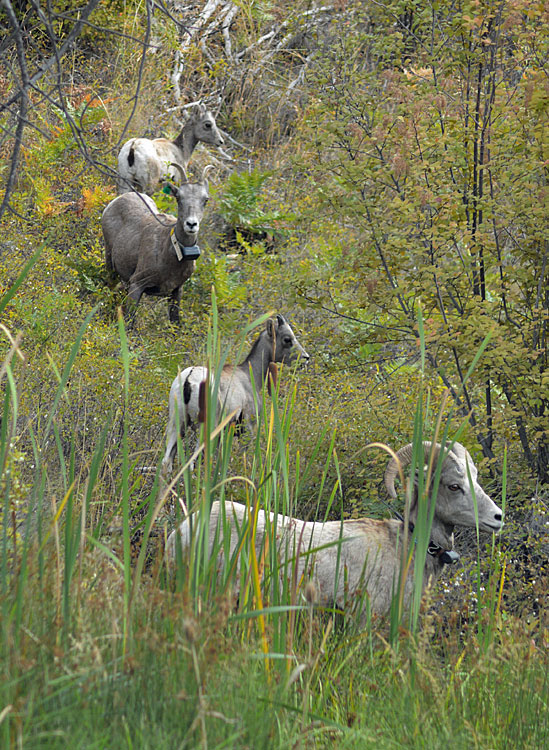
x,y
383,185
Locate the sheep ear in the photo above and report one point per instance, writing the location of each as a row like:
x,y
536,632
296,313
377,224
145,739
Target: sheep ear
x,y
273,374
202,109
280,320
270,326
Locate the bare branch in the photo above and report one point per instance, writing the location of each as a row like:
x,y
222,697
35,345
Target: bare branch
x,y
58,54
22,114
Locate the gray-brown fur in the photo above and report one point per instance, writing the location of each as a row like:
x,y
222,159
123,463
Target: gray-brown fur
x,y
138,245
236,393
143,164
348,559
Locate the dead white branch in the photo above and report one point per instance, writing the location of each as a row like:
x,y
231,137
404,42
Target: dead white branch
x,y
191,34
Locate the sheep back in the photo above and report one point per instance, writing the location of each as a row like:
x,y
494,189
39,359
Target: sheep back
x,y
233,392
130,225
138,166
351,558
168,153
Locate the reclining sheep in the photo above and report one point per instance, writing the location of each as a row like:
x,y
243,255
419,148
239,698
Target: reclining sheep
x,y
153,252
363,556
276,343
143,164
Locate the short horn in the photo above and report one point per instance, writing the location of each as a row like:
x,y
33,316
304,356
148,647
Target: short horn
x,y
404,456
206,170
181,170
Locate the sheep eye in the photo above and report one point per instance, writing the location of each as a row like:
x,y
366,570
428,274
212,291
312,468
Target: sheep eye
x,y
454,487
208,125
287,341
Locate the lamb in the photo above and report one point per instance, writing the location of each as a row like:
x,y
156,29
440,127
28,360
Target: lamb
x,y
236,392
155,253
143,164
350,558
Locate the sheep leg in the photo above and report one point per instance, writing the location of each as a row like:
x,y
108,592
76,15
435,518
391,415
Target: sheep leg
x,y
129,308
178,422
239,426
135,292
173,309
191,438
123,185
111,273
167,461
171,441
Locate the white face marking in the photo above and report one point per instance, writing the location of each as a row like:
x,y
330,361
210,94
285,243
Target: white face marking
x,y
461,497
288,347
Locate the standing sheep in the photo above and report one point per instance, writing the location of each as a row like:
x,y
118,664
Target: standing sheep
x,y
143,163
239,385
155,253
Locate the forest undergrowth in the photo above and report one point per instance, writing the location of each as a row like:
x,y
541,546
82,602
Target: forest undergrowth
x,y
383,189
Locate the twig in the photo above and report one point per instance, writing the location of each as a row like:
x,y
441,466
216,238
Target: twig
x,y
59,53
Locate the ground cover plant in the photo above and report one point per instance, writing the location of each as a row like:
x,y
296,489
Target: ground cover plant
x,y
387,195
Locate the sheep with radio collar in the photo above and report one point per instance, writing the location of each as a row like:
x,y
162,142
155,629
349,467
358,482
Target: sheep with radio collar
x,y
348,559
154,253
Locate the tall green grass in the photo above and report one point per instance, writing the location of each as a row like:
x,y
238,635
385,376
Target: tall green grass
x,y
104,645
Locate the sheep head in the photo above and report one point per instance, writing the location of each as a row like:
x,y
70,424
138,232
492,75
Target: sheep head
x,y
284,345
460,498
191,200
204,126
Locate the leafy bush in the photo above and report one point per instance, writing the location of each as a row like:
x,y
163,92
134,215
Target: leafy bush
x,y
98,645
242,202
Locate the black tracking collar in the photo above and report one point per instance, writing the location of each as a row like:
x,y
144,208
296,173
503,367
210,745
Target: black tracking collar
x,y
184,252
446,556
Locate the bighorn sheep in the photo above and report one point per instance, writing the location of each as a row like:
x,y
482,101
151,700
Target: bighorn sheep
x,y
276,343
350,558
143,164
153,252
